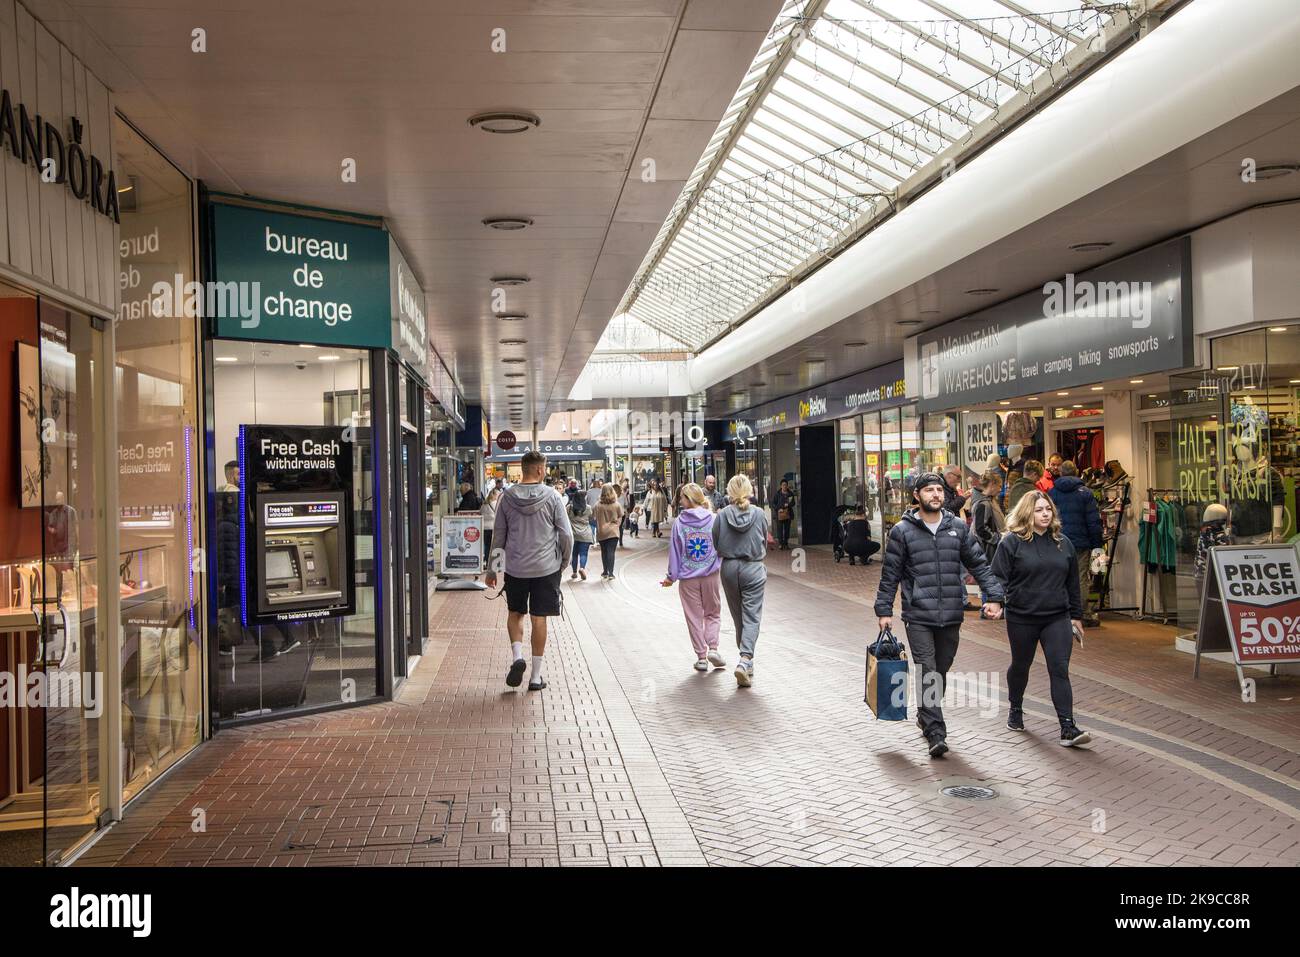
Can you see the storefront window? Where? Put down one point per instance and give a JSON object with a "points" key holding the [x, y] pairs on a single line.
{"points": [[157, 417], [872, 465], [850, 491], [273, 668], [895, 496], [940, 441]]}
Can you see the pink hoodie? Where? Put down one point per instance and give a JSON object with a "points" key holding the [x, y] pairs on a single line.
{"points": [[690, 548]]}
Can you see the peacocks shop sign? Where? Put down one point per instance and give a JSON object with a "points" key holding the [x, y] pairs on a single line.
{"points": [[311, 279]]}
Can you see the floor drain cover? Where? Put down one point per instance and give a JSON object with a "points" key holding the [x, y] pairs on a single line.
{"points": [[970, 792]]}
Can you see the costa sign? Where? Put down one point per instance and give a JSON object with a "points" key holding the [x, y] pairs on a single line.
{"points": [[506, 440]]}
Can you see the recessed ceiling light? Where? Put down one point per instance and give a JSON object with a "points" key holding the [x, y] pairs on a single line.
{"points": [[1099, 388], [981, 291], [1274, 170], [856, 344], [1090, 247], [1278, 329], [1151, 395], [1062, 393], [511, 316], [1295, 381], [516, 375], [1227, 369], [510, 280], [1004, 402], [1134, 381], [505, 121], [1032, 398], [513, 342], [1076, 407], [303, 345], [507, 222], [227, 359], [929, 312], [329, 358], [514, 361], [965, 411], [906, 322]]}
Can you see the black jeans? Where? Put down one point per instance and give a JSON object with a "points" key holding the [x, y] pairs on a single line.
{"points": [[1057, 639], [932, 651], [783, 532], [607, 555]]}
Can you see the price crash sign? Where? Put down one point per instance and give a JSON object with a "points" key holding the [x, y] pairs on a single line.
{"points": [[1260, 587]]}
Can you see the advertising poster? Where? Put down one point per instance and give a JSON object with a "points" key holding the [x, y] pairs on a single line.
{"points": [[1260, 589], [462, 544]]}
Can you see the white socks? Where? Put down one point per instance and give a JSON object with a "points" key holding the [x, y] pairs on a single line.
{"points": [[537, 668], [517, 650]]}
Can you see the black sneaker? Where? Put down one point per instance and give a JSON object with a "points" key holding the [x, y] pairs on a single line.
{"points": [[1016, 719], [516, 673], [938, 746], [1072, 736], [537, 685]]}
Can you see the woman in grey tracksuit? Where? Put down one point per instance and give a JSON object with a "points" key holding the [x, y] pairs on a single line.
{"points": [[740, 536]]}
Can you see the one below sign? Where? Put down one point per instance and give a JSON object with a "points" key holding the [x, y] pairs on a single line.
{"points": [[1259, 586]]}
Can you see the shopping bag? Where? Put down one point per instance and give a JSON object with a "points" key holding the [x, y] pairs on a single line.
{"points": [[886, 693]]}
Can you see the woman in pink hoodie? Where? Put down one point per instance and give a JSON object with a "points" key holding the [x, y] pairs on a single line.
{"points": [[693, 561]]}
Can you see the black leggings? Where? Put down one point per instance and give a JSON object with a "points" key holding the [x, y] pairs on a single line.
{"points": [[1057, 638], [607, 555], [783, 532]]}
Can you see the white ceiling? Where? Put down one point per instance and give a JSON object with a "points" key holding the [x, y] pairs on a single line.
{"points": [[1185, 189], [287, 91]]}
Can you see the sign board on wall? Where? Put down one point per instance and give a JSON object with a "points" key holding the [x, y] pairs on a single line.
{"points": [[462, 545], [1129, 317], [878, 388], [979, 435], [410, 328], [299, 279]]}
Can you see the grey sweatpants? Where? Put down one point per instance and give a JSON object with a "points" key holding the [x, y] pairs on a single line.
{"points": [[742, 583]]}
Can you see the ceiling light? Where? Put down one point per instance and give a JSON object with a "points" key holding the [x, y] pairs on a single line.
{"points": [[1279, 329], [856, 344], [513, 342], [304, 345], [514, 361], [507, 222], [329, 358], [1295, 381], [1090, 247], [965, 411], [982, 291], [511, 316], [1004, 402], [1275, 170], [509, 280], [1134, 381], [929, 312], [1076, 407], [227, 359], [1062, 393], [1099, 388], [505, 121], [1151, 395], [516, 375], [1032, 398], [1227, 369]]}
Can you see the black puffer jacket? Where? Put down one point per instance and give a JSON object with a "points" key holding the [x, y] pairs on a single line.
{"points": [[932, 570]]}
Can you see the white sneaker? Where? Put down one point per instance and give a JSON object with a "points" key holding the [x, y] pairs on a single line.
{"points": [[701, 665], [744, 672], [716, 659]]}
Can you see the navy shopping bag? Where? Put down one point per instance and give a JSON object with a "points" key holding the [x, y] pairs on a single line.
{"points": [[886, 694]]}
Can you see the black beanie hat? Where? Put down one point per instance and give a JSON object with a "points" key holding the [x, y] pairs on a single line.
{"points": [[926, 478]]}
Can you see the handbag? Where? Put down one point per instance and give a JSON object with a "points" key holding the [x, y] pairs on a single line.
{"points": [[783, 515], [886, 692]]}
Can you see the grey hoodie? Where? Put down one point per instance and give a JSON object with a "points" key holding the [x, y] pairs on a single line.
{"points": [[532, 531], [741, 534]]}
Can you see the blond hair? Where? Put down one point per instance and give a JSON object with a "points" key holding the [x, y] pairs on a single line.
{"points": [[607, 496], [1021, 519], [694, 494], [739, 491]]}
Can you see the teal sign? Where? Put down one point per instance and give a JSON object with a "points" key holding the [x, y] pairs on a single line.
{"points": [[281, 277]]}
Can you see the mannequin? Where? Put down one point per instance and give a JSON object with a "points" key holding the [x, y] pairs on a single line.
{"points": [[1257, 494]]}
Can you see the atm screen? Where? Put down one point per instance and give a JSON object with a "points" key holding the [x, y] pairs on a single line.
{"points": [[279, 564]]}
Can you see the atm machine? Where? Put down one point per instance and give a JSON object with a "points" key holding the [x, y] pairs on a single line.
{"points": [[301, 552]]}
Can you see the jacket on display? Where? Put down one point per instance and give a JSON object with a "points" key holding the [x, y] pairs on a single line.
{"points": [[1077, 508], [691, 552], [931, 568], [1158, 535]]}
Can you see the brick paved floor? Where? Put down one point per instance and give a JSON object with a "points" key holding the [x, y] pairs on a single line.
{"points": [[630, 757]]}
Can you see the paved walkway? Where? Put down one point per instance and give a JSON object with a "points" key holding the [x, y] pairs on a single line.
{"points": [[630, 757]]}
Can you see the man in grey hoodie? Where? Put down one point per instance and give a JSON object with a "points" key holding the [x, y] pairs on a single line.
{"points": [[533, 539], [740, 536]]}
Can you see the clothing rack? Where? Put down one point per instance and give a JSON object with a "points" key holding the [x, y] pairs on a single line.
{"points": [[1164, 615], [1117, 505]]}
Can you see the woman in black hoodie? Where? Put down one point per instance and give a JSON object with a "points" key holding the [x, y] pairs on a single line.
{"points": [[1039, 570]]}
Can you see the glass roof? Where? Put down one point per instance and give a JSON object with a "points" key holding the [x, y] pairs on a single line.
{"points": [[846, 101]]}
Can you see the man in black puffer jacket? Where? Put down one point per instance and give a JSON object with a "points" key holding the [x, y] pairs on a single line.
{"points": [[926, 553]]}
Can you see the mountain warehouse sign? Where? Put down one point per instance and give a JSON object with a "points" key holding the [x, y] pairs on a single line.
{"points": [[38, 143]]}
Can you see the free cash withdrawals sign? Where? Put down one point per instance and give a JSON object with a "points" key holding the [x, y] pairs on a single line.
{"points": [[1128, 317], [1259, 587], [318, 281]]}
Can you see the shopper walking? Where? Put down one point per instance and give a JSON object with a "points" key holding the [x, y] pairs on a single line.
{"points": [[925, 553], [740, 537], [716, 500], [783, 508], [593, 499], [489, 515], [1026, 483], [608, 515], [533, 541], [987, 520], [1038, 567], [656, 506], [469, 500], [953, 500], [693, 563], [579, 516], [1050, 473], [1081, 523]]}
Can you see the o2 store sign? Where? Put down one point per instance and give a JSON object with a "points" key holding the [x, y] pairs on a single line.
{"points": [[1260, 590]]}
